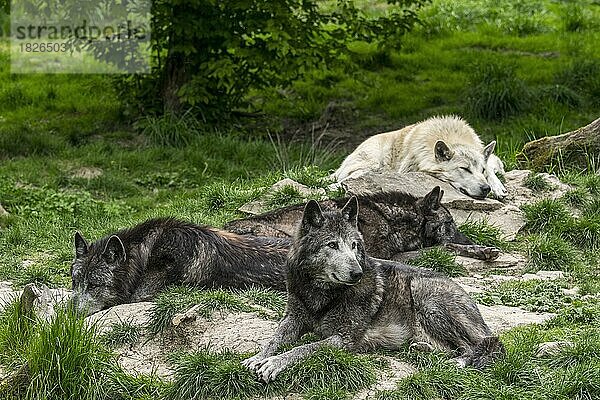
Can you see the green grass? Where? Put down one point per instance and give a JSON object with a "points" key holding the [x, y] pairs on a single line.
{"points": [[439, 259], [122, 333], [483, 233], [59, 359], [472, 58], [206, 374], [550, 252], [532, 295], [537, 183]]}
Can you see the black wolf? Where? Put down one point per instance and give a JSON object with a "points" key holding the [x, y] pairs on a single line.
{"points": [[358, 303], [391, 223], [135, 264]]}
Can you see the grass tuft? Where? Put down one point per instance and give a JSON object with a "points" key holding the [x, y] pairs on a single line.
{"points": [[537, 183], [121, 333], [546, 215], [286, 196], [170, 129], [63, 359], [207, 375], [331, 367], [551, 253], [577, 197], [438, 259], [483, 233], [496, 92]]}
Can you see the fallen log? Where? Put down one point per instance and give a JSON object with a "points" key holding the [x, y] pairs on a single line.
{"points": [[577, 149]]}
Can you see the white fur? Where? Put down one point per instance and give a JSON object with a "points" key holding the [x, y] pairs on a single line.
{"points": [[412, 149]]}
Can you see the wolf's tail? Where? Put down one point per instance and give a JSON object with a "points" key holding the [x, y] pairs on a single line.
{"points": [[487, 351]]}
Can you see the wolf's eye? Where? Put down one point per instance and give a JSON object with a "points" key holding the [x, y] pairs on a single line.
{"points": [[465, 169], [353, 245], [333, 245]]}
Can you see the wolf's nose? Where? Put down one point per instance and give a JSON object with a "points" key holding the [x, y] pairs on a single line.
{"points": [[355, 276], [485, 189]]}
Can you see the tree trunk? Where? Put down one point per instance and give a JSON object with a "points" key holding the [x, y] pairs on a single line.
{"points": [[175, 77], [578, 149]]}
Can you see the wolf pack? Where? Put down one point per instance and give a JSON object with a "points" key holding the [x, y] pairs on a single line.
{"points": [[336, 259]]}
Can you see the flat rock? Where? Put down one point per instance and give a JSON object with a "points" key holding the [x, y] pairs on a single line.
{"points": [[418, 184], [505, 261], [519, 195], [510, 219], [137, 314], [240, 332], [502, 318]]}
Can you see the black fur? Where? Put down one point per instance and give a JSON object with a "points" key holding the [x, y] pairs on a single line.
{"points": [[135, 264]]}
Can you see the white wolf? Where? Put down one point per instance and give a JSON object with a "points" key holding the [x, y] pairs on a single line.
{"points": [[445, 147]]}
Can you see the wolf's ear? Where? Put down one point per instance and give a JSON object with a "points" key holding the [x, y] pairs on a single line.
{"points": [[433, 199], [312, 217], [489, 150], [350, 211], [114, 250], [81, 245], [442, 151]]}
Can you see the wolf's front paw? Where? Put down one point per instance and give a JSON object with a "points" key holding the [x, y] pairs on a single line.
{"points": [[271, 367], [421, 346], [253, 363]]}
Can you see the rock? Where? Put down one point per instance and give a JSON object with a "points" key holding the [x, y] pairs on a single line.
{"points": [[418, 184], [260, 205], [519, 195], [544, 275], [502, 318], [240, 332], [552, 348], [573, 292], [3, 212], [137, 314], [41, 300], [87, 173], [506, 261], [509, 219], [189, 315]]}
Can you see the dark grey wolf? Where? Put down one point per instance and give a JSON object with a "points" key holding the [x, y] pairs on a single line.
{"points": [[358, 303], [135, 264], [390, 223]]}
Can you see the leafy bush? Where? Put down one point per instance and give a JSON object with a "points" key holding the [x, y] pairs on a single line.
{"points": [[212, 53]]}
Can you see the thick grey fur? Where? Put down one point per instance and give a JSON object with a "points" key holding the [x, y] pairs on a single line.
{"points": [[358, 303], [391, 223], [135, 264]]}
